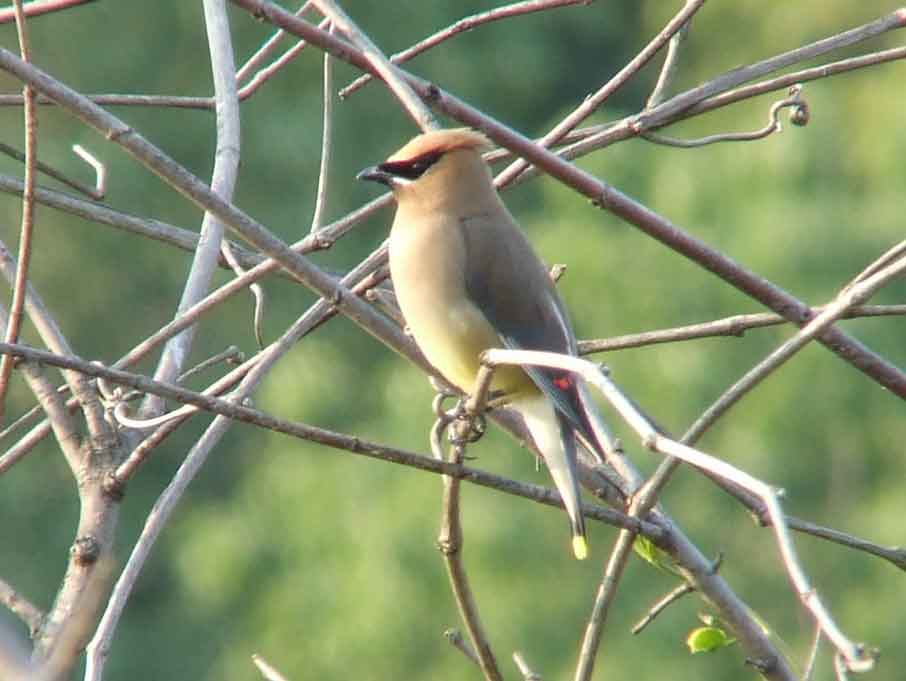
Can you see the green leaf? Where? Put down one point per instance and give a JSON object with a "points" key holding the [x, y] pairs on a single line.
{"points": [[660, 559], [708, 639]]}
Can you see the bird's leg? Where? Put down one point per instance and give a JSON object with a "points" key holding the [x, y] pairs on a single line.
{"points": [[467, 428]]}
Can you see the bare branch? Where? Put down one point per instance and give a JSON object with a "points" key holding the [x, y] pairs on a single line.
{"points": [[772, 126], [329, 438], [669, 68], [14, 320], [813, 656], [737, 325], [317, 219], [658, 116], [100, 172], [450, 541], [39, 7], [659, 607], [461, 26], [855, 655], [223, 181], [268, 671], [853, 295], [53, 337], [21, 607], [604, 596], [803, 76], [162, 101], [164, 232], [454, 638], [50, 171], [197, 191], [591, 104], [269, 71], [267, 49], [528, 674], [376, 59]]}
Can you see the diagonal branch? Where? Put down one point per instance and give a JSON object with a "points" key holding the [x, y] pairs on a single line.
{"points": [[592, 103], [420, 113], [465, 24], [856, 657]]}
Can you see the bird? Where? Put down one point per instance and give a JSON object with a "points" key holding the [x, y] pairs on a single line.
{"points": [[467, 280]]}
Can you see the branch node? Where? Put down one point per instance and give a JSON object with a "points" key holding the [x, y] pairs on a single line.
{"points": [[762, 665], [447, 546], [85, 550], [113, 487], [432, 94]]}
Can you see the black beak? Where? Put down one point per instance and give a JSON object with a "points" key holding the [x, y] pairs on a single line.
{"points": [[375, 174]]}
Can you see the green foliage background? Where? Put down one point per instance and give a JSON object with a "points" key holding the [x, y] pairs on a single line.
{"points": [[325, 563]]}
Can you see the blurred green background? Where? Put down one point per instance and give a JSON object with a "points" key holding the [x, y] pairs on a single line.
{"points": [[325, 563]]}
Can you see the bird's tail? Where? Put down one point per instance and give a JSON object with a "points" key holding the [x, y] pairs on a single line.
{"points": [[555, 438]]}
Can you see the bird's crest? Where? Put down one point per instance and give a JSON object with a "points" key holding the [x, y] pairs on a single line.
{"points": [[441, 141]]}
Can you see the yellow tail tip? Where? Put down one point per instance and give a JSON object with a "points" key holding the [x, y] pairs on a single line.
{"points": [[580, 547]]}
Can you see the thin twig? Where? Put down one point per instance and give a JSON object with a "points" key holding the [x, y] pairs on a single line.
{"points": [[781, 82], [455, 638], [269, 71], [450, 543], [317, 219], [892, 254], [50, 171], [598, 137], [310, 243], [161, 101], [21, 607], [773, 125], [592, 103], [604, 596], [658, 116], [361, 277], [735, 326], [267, 49], [852, 295], [461, 26], [528, 674], [812, 656], [659, 607], [100, 171], [669, 68], [388, 72], [231, 355], [255, 288], [39, 7], [14, 321], [268, 671]]}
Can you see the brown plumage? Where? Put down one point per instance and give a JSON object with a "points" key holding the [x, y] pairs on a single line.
{"points": [[467, 279]]}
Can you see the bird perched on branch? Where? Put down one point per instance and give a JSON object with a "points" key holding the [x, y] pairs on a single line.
{"points": [[467, 279]]}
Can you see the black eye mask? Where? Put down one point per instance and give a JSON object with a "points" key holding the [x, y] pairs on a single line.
{"points": [[411, 168]]}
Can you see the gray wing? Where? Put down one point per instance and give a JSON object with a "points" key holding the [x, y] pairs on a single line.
{"points": [[507, 281]]}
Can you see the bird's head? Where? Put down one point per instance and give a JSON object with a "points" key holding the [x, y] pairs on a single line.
{"points": [[435, 163]]}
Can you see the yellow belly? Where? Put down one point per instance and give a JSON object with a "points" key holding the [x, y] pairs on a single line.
{"points": [[450, 330]]}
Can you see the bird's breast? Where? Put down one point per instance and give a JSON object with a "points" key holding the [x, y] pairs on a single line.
{"points": [[427, 268]]}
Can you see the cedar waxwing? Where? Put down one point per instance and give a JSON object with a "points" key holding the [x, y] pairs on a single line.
{"points": [[467, 279]]}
